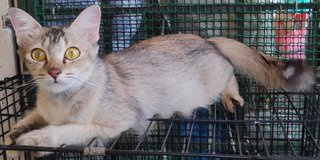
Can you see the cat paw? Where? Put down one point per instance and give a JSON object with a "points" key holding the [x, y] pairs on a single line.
{"points": [[9, 140], [229, 102], [11, 137], [37, 138]]}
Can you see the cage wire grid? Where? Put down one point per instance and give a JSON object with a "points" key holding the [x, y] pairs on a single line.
{"points": [[272, 124], [280, 28]]}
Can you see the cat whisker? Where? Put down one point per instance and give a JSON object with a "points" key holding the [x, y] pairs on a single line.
{"points": [[84, 81], [25, 85], [28, 81], [33, 80], [88, 86], [31, 88]]}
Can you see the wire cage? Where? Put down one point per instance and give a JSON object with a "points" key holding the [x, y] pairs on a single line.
{"points": [[272, 124]]}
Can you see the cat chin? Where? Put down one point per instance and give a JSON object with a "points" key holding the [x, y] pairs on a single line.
{"points": [[57, 88]]}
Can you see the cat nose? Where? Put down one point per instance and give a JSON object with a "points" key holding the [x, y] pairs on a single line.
{"points": [[54, 72]]}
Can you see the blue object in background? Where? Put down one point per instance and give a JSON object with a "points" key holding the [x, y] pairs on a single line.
{"points": [[200, 134], [54, 19], [124, 26], [206, 138]]}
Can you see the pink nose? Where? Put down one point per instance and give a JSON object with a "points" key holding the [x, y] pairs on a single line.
{"points": [[54, 72]]}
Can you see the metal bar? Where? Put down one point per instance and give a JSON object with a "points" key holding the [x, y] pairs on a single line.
{"points": [[22, 96], [238, 134], [274, 92], [229, 121], [115, 142], [27, 155], [305, 114], [7, 79], [230, 134], [313, 106], [263, 140], [166, 137], [9, 105], [126, 152], [191, 131], [304, 123], [90, 143], [274, 139], [285, 133], [18, 101], [81, 156], [34, 148], [6, 103], [214, 130], [4, 155], [143, 136]]}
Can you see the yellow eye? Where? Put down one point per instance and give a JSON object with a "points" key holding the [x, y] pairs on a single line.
{"points": [[38, 54], [72, 53]]}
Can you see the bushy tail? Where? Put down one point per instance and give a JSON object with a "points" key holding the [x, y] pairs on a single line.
{"points": [[292, 75]]}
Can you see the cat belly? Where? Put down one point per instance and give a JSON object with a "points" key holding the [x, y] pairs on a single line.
{"points": [[184, 93]]}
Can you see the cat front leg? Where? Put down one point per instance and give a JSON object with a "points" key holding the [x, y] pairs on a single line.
{"points": [[30, 122], [69, 134]]}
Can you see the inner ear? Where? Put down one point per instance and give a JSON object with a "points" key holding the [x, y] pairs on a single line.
{"points": [[88, 23], [24, 26]]}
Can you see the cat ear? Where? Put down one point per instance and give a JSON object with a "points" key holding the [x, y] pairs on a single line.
{"points": [[88, 22], [23, 24]]}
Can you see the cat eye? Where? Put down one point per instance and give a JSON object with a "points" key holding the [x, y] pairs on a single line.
{"points": [[38, 55], [72, 53]]}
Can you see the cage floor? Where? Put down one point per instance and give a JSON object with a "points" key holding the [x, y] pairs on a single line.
{"points": [[271, 125]]}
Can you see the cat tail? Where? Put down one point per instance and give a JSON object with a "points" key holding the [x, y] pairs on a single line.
{"points": [[291, 76]]}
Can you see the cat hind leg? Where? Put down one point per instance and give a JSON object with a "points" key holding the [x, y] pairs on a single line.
{"points": [[230, 95]]}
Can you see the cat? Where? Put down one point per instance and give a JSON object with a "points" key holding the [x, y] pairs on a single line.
{"points": [[81, 96]]}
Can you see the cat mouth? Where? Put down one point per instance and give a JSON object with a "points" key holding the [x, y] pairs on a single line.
{"points": [[55, 81]]}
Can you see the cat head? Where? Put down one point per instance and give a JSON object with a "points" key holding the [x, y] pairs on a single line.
{"points": [[59, 58]]}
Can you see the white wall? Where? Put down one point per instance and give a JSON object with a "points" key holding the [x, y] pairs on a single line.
{"points": [[7, 52]]}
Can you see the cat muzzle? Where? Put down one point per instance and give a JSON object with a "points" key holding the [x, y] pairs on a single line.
{"points": [[54, 73]]}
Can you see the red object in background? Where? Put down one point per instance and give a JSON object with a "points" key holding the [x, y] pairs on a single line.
{"points": [[291, 35]]}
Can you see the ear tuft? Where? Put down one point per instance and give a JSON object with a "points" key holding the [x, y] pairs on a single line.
{"points": [[23, 24], [88, 22]]}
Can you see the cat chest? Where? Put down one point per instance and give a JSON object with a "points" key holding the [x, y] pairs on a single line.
{"points": [[63, 111]]}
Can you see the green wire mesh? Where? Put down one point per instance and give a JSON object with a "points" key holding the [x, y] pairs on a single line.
{"points": [[282, 28]]}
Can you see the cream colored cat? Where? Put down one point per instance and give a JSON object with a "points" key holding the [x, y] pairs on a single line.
{"points": [[81, 96]]}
